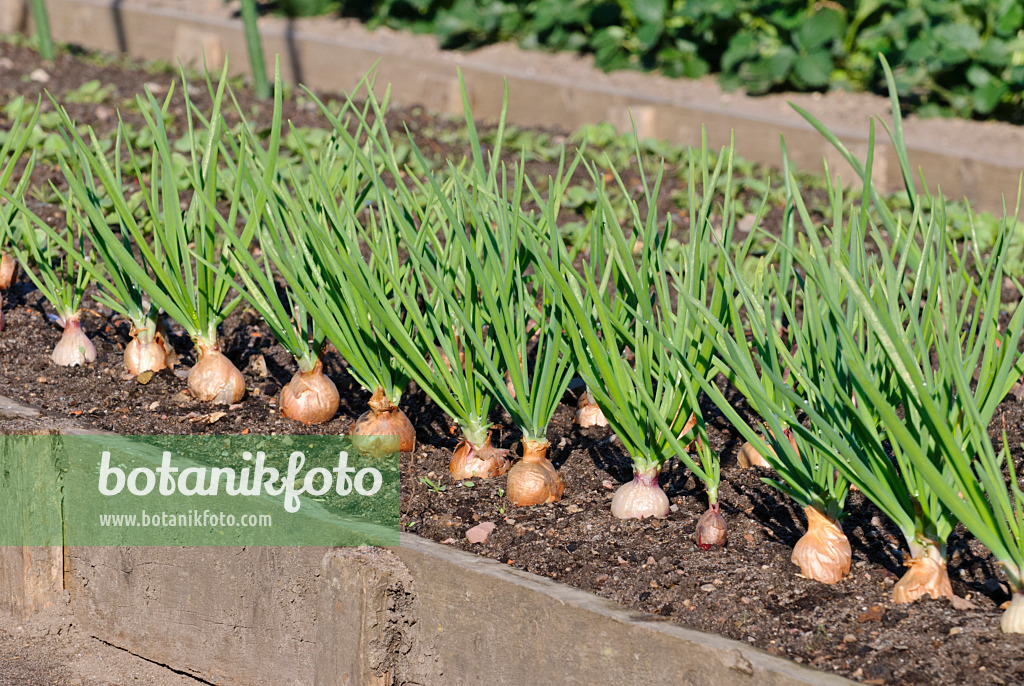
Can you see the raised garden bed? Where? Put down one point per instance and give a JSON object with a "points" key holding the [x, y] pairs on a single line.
{"points": [[747, 591]]}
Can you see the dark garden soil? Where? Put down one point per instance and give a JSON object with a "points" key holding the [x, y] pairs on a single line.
{"points": [[748, 590]]}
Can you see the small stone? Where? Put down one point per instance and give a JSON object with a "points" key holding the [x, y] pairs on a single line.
{"points": [[153, 405], [654, 584], [955, 630], [39, 76], [6, 63], [601, 579], [607, 483], [145, 377], [874, 614], [849, 638], [709, 588], [749, 538], [41, 379], [259, 365], [480, 532], [651, 562]]}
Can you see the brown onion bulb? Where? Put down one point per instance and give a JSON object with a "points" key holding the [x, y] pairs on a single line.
{"points": [[711, 528], [640, 498], [1012, 621], [214, 378], [74, 347], [533, 480], [372, 433], [8, 271], [483, 462], [823, 553], [926, 575], [588, 413], [310, 397]]}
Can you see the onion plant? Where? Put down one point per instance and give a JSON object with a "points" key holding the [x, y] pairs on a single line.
{"points": [[310, 397], [981, 485], [899, 351], [316, 233], [178, 269], [62, 280], [759, 366], [427, 335], [946, 328], [511, 309], [611, 307], [11, 152]]}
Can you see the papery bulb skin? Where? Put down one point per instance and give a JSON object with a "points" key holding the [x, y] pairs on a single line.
{"points": [[8, 271], [74, 347], [588, 413], [310, 397], [484, 462], [926, 574], [144, 356], [823, 553], [214, 379], [1012, 621], [749, 457], [711, 528], [533, 480], [372, 433], [641, 498]]}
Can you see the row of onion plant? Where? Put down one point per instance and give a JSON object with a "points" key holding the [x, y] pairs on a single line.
{"points": [[169, 258]]}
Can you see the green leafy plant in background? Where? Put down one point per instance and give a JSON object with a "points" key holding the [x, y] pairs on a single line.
{"points": [[963, 58]]}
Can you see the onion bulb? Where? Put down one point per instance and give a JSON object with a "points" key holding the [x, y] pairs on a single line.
{"points": [[588, 413], [711, 529], [214, 378], [8, 271], [383, 419], [74, 347], [533, 480], [148, 353], [926, 575], [310, 397], [640, 498], [478, 462], [750, 457], [1013, 618], [823, 553]]}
